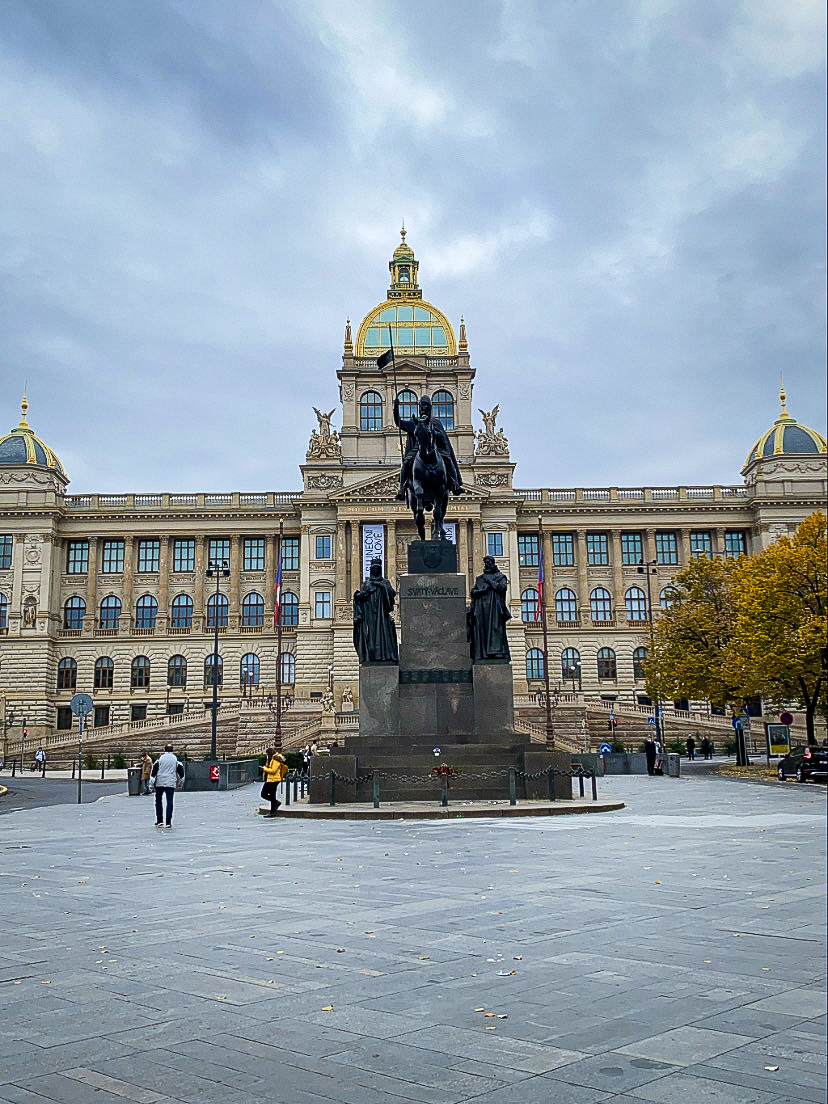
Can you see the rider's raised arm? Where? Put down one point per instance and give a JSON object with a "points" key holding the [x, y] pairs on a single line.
{"points": [[405, 424]]}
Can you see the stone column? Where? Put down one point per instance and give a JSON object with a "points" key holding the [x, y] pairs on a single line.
{"points": [[304, 566], [583, 578], [199, 612], [719, 541], [127, 613], [90, 621], [463, 551], [513, 594], [164, 583], [649, 545], [349, 555], [270, 577], [391, 552], [549, 573], [684, 548], [341, 594], [477, 549], [235, 579], [617, 576]]}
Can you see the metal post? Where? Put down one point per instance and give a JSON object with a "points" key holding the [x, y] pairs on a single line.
{"points": [[581, 785], [550, 773], [80, 756], [14, 766], [512, 795], [376, 791], [444, 792], [594, 788], [278, 734], [103, 768], [287, 789], [333, 788], [550, 731], [295, 787], [645, 570]]}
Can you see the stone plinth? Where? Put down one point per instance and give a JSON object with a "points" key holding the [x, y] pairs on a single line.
{"points": [[494, 702], [379, 713], [432, 555]]}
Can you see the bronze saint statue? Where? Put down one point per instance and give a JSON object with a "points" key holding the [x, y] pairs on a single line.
{"points": [[429, 468], [375, 634], [487, 615]]}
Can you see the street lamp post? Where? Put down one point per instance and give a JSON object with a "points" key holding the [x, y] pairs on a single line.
{"points": [[221, 570], [648, 569], [550, 731]]}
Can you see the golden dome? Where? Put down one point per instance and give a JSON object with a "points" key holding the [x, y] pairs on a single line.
{"points": [[786, 437], [23, 446]]}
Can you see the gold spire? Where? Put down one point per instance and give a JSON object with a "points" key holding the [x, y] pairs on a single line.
{"points": [[782, 395], [402, 232], [462, 344], [24, 406], [349, 344]]}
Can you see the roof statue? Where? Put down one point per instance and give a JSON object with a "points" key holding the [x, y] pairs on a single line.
{"points": [[489, 442], [324, 443]]}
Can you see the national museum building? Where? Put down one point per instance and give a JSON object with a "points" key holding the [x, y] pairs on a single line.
{"points": [[108, 594]]}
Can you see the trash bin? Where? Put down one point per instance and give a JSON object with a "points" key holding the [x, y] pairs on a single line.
{"points": [[673, 765], [134, 781]]}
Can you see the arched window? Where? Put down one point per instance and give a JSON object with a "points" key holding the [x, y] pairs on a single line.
{"points": [[668, 596], [606, 664], [146, 612], [73, 613], [182, 612], [566, 605], [140, 678], [4, 611], [104, 673], [249, 670], [600, 603], [409, 404], [571, 664], [177, 671], [217, 611], [110, 612], [289, 609], [529, 605], [67, 674], [253, 611], [370, 412], [534, 664], [288, 668], [443, 408], [636, 602], [639, 662], [208, 670]]}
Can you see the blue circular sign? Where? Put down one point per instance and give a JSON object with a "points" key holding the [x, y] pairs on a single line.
{"points": [[606, 749]]}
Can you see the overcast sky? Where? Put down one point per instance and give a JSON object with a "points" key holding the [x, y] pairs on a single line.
{"points": [[623, 197]]}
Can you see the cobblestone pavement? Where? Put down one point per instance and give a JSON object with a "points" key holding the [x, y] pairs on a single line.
{"points": [[673, 951]]}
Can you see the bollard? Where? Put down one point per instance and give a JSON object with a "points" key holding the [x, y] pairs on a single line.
{"points": [[512, 795], [376, 791], [73, 769], [444, 793], [287, 789], [551, 776], [103, 768], [594, 788], [333, 788], [14, 767], [295, 789], [581, 784], [43, 770]]}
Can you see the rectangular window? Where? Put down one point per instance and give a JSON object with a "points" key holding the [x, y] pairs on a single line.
{"points": [[220, 551], [322, 606], [77, 557], [184, 555], [6, 552], [597, 549], [64, 718], [494, 542], [290, 554], [149, 555], [323, 548], [735, 543], [101, 716], [632, 548], [701, 544], [666, 548], [563, 550], [174, 708], [112, 562], [254, 554], [528, 549], [138, 713]]}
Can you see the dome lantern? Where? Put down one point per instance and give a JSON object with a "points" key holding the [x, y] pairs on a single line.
{"points": [[786, 437], [21, 446]]}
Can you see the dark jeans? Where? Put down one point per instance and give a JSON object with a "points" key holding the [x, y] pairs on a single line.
{"points": [[169, 791]]}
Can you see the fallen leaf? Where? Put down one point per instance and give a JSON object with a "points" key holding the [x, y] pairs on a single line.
{"points": [[483, 1009], [423, 958], [320, 966], [269, 958], [502, 1016], [766, 969], [221, 996], [492, 1028], [657, 882], [45, 983], [773, 1069], [340, 950], [518, 958], [490, 1015], [327, 1008]]}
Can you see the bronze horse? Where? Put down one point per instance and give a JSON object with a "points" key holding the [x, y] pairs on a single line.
{"points": [[428, 486]]}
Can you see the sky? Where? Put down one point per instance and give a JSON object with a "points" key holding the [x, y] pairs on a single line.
{"points": [[624, 198]]}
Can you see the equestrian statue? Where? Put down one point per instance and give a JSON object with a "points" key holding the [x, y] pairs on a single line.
{"points": [[429, 468]]}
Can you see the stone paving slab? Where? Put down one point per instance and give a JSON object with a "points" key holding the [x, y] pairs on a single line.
{"points": [[669, 950]]}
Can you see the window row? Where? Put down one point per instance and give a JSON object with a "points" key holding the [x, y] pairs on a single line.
{"points": [[181, 611], [148, 554], [370, 408], [632, 547], [606, 664], [600, 604], [140, 671]]}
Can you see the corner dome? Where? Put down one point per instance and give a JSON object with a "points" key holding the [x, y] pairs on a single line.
{"points": [[786, 437], [22, 446], [418, 327]]}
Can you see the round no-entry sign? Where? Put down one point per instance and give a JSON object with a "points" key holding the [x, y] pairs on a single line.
{"points": [[786, 718]]}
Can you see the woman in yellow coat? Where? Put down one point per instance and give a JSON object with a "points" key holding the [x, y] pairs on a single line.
{"points": [[274, 771]]}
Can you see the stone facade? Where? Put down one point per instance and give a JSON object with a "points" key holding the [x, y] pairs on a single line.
{"points": [[149, 552]]}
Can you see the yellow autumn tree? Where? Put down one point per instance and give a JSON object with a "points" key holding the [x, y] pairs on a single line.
{"points": [[689, 658], [780, 595]]}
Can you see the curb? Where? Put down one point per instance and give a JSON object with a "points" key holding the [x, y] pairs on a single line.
{"points": [[430, 812]]}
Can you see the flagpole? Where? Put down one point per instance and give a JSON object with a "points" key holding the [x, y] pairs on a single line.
{"points": [[550, 732], [278, 740], [396, 389]]}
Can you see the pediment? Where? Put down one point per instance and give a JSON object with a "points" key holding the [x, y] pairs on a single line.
{"points": [[383, 488]]}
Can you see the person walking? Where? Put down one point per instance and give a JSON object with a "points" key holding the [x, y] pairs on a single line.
{"points": [[274, 770], [40, 760], [146, 772], [650, 752], [691, 747], [705, 748], [168, 775]]}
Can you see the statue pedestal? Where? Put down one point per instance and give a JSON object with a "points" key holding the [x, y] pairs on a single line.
{"points": [[379, 711], [494, 702]]}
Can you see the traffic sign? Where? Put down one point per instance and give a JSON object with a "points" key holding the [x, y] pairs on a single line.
{"points": [[651, 720], [612, 715], [215, 774], [81, 704], [787, 718], [605, 749]]}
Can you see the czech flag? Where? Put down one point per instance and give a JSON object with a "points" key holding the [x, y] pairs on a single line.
{"points": [[539, 611], [277, 588]]}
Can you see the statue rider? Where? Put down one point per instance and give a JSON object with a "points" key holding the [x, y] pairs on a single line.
{"points": [[441, 441]]}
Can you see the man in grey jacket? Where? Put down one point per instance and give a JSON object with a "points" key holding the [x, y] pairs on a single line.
{"points": [[168, 776]]}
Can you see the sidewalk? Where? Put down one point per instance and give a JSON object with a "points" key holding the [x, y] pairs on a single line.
{"points": [[673, 950]]}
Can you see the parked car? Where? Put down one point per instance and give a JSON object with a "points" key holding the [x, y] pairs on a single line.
{"points": [[803, 763]]}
